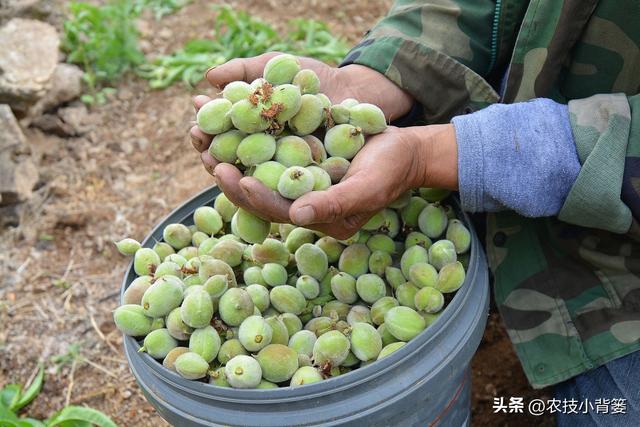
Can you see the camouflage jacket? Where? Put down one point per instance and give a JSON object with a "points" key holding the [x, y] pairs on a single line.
{"points": [[568, 288]]}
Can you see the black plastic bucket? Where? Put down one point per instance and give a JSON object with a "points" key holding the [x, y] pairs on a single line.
{"points": [[426, 382]]}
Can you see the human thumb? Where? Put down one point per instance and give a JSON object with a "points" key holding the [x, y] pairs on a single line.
{"points": [[323, 207]]}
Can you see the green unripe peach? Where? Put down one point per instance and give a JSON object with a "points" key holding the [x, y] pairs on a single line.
{"points": [[177, 235], [312, 261], [320, 325], [247, 117], [325, 283], [243, 372], [303, 341], [280, 333], [370, 288], [216, 286], [281, 69], [164, 250], [219, 378], [309, 117], [269, 174], [390, 223], [306, 375], [206, 246], [205, 342], [158, 344], [318, 153], [176, 326], [278, 362], [405, 294], [411, 212], [235, 306], [212, 118], [287, 299], [188, 252], [349, 102], [292, 322], [260, 296], [162, 296], [157, 323], [225, 208], [459, 235], [331, 247], [170, 359], [451, 214], [375, 222], [128, 246], [381, 242], [266, 385], [253, 276], [366, 343], [321, 178], [249, 227], [168, 268], [236, 91], [192, 280], [137, 288], [343, 287], [308, 286], [380, 308], [271, 250], [145, 261], [416, 238], [307, 81], [402, 200], [198, 237], [336, 167], [288, 100], [412, 255], [295, 182], [367, 117], [394, 277], [336, 310], [433, 194], [298, 237], [191, 366], [230, 349], [197, 308], [390, 348], [258, 84], [339, 114], [326, 102], [274, 274], [207, 220], [379, 261], [256, 148], [403, 323], [429, 300], [386, 336], [223, 147], [422, 275], [343, 141], [355, 260], [432, 220], [228, 251], [441, 253], [293, 151], [331, 348], [214, 267], [359, 314], [178, 259], [255, 333], [131, 320], [231, 237], [451, 277]]}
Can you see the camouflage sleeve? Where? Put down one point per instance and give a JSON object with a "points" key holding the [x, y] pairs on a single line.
{"points": [[438, 51], [606, 129]]}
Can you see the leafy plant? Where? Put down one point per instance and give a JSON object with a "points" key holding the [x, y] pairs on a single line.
{"points": [[161, 8], [13, 398], [238, 35], [104, 41]]}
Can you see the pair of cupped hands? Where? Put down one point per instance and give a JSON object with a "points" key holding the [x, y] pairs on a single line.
{"points": [[390, 163]]}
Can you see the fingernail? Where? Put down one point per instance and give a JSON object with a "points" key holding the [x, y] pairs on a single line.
{"points": [[304, 215], [196, 140], [207, 72]]}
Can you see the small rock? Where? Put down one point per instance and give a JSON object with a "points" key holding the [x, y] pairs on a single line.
{"points": [[28, 58], [24, 9], [18, 173], [68, 121], [66, 85]]}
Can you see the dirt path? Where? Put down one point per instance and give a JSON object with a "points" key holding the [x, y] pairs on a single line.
{"points": [[60, 273]]}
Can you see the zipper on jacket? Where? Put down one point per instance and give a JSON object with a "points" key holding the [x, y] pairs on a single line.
{"points": [[494, 35]]}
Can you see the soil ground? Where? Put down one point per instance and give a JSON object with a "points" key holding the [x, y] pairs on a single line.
{"points": [[60, 274]]}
